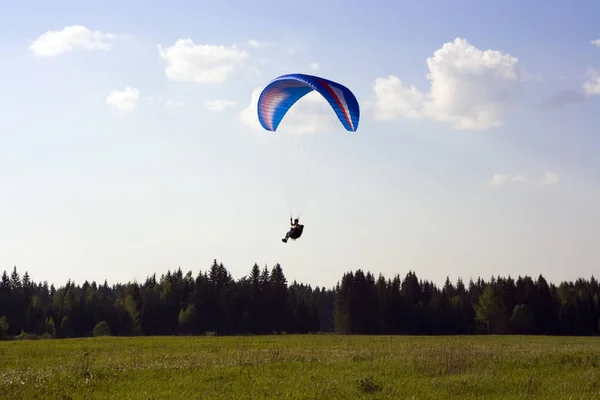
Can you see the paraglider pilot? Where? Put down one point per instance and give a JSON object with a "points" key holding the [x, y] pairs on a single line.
{"points": [[295, 231]]}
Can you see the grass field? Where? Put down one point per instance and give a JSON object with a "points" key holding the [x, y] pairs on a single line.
{"points": [[302, 367]]}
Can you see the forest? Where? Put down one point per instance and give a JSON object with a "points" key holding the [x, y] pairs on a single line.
{"points": [[263, 302]]}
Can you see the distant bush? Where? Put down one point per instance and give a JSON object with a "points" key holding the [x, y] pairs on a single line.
{"points": [[26, 336], [102, 329]]}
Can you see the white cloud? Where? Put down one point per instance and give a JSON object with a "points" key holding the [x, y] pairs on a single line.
{"points": [[248, 115], [314, 65], [257, 44], [393, 99], [70, 38], [200, 63], [218, 105], [312, 113], [592, 86], [498, 180], [125, 100], [550, 178], [470, 88], [596, 43]]}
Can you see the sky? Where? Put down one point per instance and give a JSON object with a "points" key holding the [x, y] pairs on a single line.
{"points": [[130, 144]]}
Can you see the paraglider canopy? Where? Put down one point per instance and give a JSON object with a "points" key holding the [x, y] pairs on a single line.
{"points": [[284, 91]]}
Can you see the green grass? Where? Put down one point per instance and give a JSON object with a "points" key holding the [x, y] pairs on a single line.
{"points": [[302, 367]]}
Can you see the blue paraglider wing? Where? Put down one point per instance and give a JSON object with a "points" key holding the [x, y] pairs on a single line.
{"points": [[284, 91]]}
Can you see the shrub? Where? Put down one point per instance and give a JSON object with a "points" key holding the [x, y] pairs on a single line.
{"points": [[102, 329]]}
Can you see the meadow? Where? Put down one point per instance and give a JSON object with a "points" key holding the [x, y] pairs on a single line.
{"points": [[302, 367]]}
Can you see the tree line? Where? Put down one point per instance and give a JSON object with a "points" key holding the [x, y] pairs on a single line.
{"points": [[264, 303]]}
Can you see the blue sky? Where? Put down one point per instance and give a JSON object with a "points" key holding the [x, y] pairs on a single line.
{"points": [[476, 164]]}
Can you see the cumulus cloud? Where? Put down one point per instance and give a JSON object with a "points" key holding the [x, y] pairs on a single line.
{"points": [[200, 63], [314, 65], [70, 38], [310, 114], [550, 178], [470, 88], [596, 43], [218, 105], [257, 44], [248, 115], [125, 100], [500, 179], [591, 87]]}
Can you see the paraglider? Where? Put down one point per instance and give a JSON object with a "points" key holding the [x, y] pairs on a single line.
{"points": [[295, 231], [283, 92]]}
